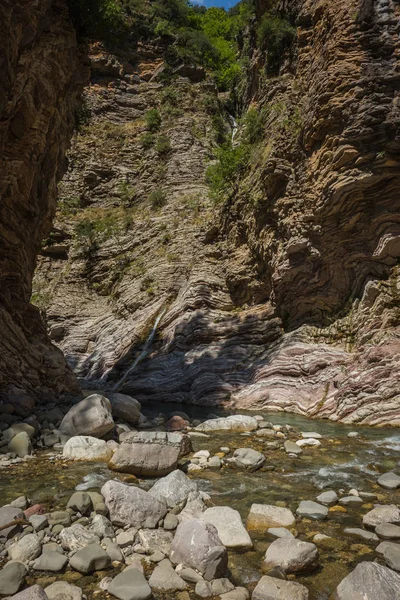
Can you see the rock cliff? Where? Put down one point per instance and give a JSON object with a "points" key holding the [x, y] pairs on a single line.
{"points": [[41, 77], [284, 297]]}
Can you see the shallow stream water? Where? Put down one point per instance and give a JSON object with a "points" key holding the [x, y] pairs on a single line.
{"points": [[340, 463]]}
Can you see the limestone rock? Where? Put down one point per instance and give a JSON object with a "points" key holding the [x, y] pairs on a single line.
{"points": [[382, 513], [77, 537], [196, 544], [369, 581], [130, 585], [83, 447], [165, 578], [174, 488], [148, 454], [291, 555], [247, 459], [312, 510], [387, 531], [89, 559], [8, 514], [90, 417], [389, 481], [270, 588], [328, 498], [125, 408], [21, 444], [230, 528], [62, 590], [34, 592], [50, 561], [12, 576], [26, 549], [233, 423], [264, 516], [132, 506]]}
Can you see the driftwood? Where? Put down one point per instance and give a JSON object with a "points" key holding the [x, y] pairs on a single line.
{"points": [[15, 522]]}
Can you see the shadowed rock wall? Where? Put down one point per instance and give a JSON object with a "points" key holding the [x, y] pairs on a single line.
{"points": [[41, 78]]}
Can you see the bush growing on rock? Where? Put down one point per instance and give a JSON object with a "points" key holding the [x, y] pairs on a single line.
{"points": [[157, 198], [153, 120]]}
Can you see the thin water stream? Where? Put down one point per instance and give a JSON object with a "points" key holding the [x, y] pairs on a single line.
{"points": [[340, 463]]}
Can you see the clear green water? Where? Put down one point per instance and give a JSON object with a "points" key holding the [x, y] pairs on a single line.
{"points": [[340, 463]]}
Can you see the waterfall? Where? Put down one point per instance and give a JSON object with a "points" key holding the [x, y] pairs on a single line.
{"points": [[144, 352], [234, 126]]}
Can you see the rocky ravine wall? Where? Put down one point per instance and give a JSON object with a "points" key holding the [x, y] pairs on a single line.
{"points": [[41, 77], [289, 298]]}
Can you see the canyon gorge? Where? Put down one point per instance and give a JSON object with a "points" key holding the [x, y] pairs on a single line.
{"points": [[283, 295]]}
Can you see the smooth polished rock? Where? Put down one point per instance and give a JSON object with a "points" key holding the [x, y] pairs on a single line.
{"points": [[130, 585], [85, 447], [264, 516], [271, 588], [312, 510], [90, 417], [228, 522], [291, 555], [130, 505], [369, 581], [382, 513]]}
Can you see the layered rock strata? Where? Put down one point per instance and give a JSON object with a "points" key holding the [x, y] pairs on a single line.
{"points": [[41, 78], [285, 298]]}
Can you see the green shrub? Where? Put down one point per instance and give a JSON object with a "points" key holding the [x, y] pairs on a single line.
{"points": [[254, 122], [99, 20], [163, 145], [147, 140], [153, 120], [275, 33], [230, 165], [170, 96], [69, 205], [157, 198]]}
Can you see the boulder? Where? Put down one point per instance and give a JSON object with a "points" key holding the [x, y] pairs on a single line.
{"points": [[351, 501], [148, 453], [35, 592], [84, 447], [21, 444], [92, 416], [50, 561], [12, 576], [230, 528], [130, 585], [389, 481], [76, 537], [292, 448], [80, 502], [102, 527], [361, 534], [280, 532], [328, 498], [264, 516], [165, 578], [125, 408], [382, 513], [155, 539], [89, 559], [391, 554], [369, 581], [176, 423], [132, 506], [312, 510], [308, 442], [291, 555], [232, 423], [9, 514], [196, 544], [62, 590], [26, 549], [173, 489], [247, 459], [387, 531], [39, 522], [270, 588]]}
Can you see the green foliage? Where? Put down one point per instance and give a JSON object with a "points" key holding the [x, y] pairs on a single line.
{"points": [[275, 33], [153, 120], [147, 140], [99, 20], [157, 198], [230, 165], [254, 122], [126, 192], [163, 145], [69, 205]]}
